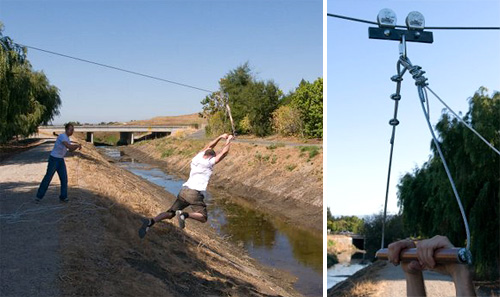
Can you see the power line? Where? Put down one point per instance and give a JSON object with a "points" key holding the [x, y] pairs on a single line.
{"points": [[116, 68], [404, 27]]}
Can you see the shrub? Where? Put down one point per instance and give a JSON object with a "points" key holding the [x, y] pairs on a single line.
{"points": [[287, 121]]}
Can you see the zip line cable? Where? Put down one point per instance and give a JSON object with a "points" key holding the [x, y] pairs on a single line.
{"points": [[445, 165], [463, 122], [117, 68], [404, 27]]}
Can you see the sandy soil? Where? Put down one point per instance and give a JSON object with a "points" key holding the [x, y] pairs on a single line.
{"points": [[382, 279], [392, 283], [90, 247], [30, 262], [279, 180]]}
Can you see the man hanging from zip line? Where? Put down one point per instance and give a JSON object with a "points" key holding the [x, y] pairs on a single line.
{"points": [[191, 193]]}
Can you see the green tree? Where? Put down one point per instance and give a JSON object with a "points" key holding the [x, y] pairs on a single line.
{"points": [[425, 195], [26, 97], [252, 102], [308, 98], [372, 230]]}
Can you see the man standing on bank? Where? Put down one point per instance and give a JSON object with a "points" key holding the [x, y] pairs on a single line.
{"points": [[56, 163], [191, 193]]}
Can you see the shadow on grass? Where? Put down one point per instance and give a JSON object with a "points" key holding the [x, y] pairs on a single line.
{"points": [[103, 256]]}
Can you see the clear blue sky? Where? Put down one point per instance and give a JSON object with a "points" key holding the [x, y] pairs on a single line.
{"points": [[194, 42], [359, 86]]}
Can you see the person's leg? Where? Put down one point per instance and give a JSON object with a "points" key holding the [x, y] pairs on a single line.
{"points": [[170, 213], [179, 204], [63, 177], [44, 185], [200, 217], [199, 208]]}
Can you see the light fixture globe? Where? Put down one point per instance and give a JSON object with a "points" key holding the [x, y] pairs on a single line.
{"points": [[415, 21], [386, 18]]}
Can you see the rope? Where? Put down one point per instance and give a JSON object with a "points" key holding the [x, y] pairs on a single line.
{"points": [[462, 121], [464, 217], [421, 82], [404, 27], [116, 68], [393, 122]]}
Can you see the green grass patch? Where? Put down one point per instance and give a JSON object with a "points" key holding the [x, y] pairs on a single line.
{"points": [[313, 151], [167, 152]]}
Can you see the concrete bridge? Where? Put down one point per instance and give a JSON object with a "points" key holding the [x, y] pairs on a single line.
{"points": [[126, 132]]}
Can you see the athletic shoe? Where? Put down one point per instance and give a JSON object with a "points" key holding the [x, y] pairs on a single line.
{"points": [[65, 200], [181, 219], [37, 200], [144, 228]]}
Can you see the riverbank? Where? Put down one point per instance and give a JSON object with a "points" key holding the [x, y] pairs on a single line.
{"points": [[277, 179], [97, 244]]}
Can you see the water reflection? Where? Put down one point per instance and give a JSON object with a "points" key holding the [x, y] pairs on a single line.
{"points": [[348, 265]]}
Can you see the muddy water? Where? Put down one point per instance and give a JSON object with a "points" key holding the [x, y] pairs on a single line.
{"points": [[349, 265], [267, 239]]}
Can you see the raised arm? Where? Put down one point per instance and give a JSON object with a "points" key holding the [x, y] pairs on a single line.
{"points": [[214, 142], [225, 150]]}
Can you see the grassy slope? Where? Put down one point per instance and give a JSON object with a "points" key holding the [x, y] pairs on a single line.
{"points": [[286, 180], [102, 254]]}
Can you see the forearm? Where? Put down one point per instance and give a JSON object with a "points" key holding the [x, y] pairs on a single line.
{"points": [[214, 142], [73, 147], [415, 284], [462, 277], [223, 153]]}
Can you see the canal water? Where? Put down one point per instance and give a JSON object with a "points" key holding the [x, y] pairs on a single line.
{"points": [[268, 240], [341, 271]]}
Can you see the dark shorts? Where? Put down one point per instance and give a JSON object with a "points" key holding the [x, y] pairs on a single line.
{"points": [[188, 197]]}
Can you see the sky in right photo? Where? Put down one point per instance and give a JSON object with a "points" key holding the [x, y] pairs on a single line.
{"points": [[457, 64]]}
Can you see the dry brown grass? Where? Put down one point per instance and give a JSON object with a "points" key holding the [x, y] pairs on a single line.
{"points": [[363, 288], [103, 256], [361, 284]]}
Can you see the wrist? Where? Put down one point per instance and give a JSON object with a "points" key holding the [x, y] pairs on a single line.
{"points": [[461, 272]]}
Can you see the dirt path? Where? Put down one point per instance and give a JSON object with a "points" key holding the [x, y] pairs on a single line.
{"points": [[392, 283], [30, 263], [200, 135]]}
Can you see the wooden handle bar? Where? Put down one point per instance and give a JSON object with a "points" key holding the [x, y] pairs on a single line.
{"points": [[453, 255]]}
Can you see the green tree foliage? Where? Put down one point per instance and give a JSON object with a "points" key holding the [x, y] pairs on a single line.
{"points": [[425, 195], [308, 99], [252, 102], [372, 230], [345, 223], [26, 97]]}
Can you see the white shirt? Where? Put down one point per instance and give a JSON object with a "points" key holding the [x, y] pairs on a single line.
{"points": [[201, 170], [59, 150]]}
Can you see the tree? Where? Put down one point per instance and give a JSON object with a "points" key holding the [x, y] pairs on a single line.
{"points": [[425, 195], [372, 230], [308, 99], [252, 103], [287, 121], [26, 97]]}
